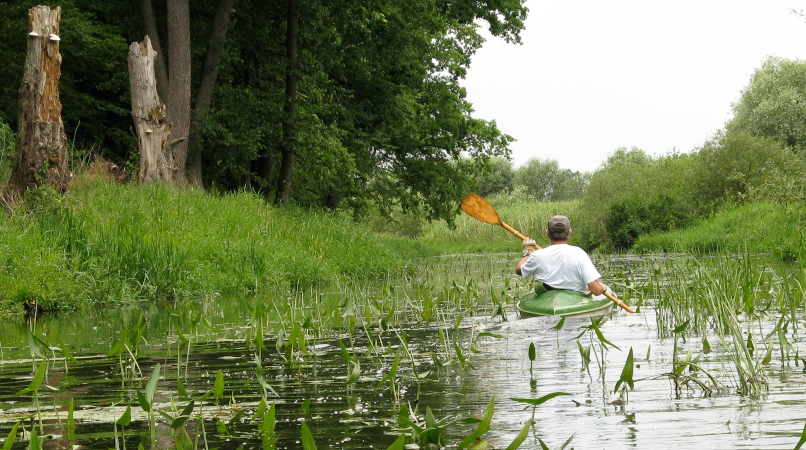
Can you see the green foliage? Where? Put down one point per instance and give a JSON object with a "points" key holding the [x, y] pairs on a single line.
{"points": [[544, 180], [773, 105], [381, 116], [735, 166], [633, 194], [497, 177], [8, 146], [94, 80], [109, 242], [759, 227]]}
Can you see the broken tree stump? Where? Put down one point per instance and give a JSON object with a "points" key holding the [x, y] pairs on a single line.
{"points": [[149, 113], [41, 157]]}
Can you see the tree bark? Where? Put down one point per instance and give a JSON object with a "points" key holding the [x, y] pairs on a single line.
{"points": [[204, 97], [150, 27], [41, 157], [153, 129], [289, 131], [263, 166], [179, 82]]}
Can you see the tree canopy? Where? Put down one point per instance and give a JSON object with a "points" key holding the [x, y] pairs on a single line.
{"points": [[380, 116], [773, 105]]}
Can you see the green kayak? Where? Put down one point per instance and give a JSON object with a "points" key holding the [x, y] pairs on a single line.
{"points": [[569, 304]]}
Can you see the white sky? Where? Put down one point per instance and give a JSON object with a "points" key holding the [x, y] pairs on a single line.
{"points": [[593, 76]]}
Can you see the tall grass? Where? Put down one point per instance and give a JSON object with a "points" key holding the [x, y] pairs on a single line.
{"points": [[8, 144], [104, 241], [761, 227]]}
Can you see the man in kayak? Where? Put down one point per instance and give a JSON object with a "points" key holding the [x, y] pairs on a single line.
{"points": [[559, 266]]}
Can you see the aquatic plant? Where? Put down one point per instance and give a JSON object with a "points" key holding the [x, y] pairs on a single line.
{"points": [[70, 425], [626, 374], [535, 402], [267, 416], [123, 421], [12, 435], [179, 433], [307, 438], [594, 330], [146, 400], [33, 388]]}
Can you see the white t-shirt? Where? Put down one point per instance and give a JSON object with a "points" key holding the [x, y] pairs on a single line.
{"points": [[561, 266]]}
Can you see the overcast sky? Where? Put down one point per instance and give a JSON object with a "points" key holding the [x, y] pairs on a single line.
{"points": [[592, 76]]}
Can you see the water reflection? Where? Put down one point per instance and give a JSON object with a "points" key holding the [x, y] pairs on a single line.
{"points": [[219, 333]]}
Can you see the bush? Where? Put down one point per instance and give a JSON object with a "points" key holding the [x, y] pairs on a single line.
{"points": [[633, 194]]}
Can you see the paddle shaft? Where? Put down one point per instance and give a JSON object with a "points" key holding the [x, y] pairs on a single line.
{"points": [[514, 231]]}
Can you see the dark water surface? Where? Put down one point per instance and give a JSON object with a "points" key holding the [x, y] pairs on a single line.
{"points": [[431, 374]]}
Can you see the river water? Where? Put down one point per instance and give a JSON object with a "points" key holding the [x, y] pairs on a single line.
{"points": [[492, 362]]}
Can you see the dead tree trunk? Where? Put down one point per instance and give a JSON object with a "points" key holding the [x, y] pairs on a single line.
{"points": [[41, 157], [153, 130]]}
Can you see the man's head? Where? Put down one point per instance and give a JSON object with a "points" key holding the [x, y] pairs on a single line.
{"points": [[559, 228]]}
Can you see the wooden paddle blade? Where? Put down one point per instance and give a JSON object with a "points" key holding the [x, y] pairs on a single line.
{"points": [[479, 209]]}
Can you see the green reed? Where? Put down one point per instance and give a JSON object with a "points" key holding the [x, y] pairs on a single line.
{"points": [[730, 296]]}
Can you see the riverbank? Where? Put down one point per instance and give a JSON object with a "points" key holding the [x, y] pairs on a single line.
{"points": [[107, 242], [103, 242], [761, 227]]}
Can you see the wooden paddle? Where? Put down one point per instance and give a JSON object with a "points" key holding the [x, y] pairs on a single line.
{"points": [[481, 210]]}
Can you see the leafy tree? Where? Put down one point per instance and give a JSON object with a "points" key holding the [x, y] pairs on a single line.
{"points": [[544, 180], [774, 103], [633, 194], [380, 116], [538, 177], [734, 166], [570, 185], [497, 177]]}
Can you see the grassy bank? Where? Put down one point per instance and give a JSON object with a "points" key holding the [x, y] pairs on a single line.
{"points": [[107, 242], [757, 228]]}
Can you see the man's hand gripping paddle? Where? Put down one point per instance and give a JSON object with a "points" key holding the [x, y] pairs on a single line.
{"points": [[481, 210]]}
